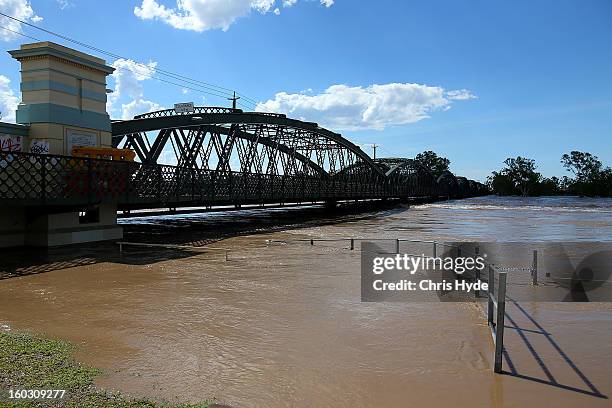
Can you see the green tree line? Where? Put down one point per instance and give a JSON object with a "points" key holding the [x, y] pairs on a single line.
{"points": [[520, 177]]}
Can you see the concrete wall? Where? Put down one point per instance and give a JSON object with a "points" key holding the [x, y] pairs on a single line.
{"points": [[64, 228]]}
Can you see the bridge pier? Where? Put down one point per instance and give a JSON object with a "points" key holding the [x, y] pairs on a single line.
{"points": [[63, 106]]}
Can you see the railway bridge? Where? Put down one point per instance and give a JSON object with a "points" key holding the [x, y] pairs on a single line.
{"points": [[227, 156], [222, 156], [218, 156]]}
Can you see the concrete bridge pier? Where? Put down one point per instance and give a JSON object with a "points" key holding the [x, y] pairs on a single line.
{"points": [[63, 106]]}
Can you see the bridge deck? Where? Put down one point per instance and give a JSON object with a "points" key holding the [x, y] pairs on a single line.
{"points": [[63, 181]]}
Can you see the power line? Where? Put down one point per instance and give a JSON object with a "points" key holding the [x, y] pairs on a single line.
{"points": [[133, 71], [183, 86], [17, 32], [113, 55], [207, 86]]}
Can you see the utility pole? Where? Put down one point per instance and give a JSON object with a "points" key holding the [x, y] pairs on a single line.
{"points": [[374, 146], [234, 99]]}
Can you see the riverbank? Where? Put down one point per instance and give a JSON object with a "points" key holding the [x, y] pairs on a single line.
{"points": [[33, 362]]}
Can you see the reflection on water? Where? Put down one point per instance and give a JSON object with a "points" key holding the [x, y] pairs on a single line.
{"points": [[283, 325]]}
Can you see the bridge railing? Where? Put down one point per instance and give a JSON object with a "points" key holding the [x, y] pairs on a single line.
{"points": [[34, 179]]}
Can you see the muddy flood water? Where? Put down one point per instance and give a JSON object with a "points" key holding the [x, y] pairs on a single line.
{"points": [[282, 325]]}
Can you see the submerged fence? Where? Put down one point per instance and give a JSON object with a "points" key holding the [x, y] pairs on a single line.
{"points": [[496, 278]]}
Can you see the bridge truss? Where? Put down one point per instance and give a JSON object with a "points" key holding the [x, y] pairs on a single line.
{"points": [[219, 156], [238, 157]]}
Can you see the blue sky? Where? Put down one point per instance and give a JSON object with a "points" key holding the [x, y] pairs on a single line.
{"points": [[475, 81]]}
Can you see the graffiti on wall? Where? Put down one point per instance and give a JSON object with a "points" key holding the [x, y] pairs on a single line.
{"points": [[39, 146], [9, 143]]}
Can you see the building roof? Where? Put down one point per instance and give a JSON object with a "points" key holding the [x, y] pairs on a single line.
{"points": [[59, 51]]}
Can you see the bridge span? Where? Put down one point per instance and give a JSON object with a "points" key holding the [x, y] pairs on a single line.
{"points": [[223, 156]]}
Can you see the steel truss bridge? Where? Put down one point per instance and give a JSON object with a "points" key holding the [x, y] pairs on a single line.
{"points": [[223, 156]]}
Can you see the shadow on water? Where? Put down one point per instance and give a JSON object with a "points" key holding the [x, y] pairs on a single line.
{"points": [[548, 378], [189, 230]]}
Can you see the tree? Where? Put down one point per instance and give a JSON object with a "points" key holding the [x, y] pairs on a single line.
{"points": [[591, 179], [521, 172], [548, 186], [501, 184], [605, 183], [585, 166], [434, 163]]}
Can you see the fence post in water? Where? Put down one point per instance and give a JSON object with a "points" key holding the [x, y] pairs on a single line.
{"points": [[397, 246], [500, 322], [534, 268], [311, 242], [434, 249], [477, 273], [490, 292], [352, 244]]}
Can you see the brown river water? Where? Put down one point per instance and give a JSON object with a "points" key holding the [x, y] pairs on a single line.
{"points": [[282, 325]]}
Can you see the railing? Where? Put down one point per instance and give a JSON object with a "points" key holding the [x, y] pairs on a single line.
{"points": [[196, 110], [32, 179]]}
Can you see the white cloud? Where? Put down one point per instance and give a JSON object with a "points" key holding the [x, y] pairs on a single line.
{"points": [[20, 9], [460, 95], [64, 4], [8, 100], [374, 107], [137, 107], [128, 77], [202, 15]]}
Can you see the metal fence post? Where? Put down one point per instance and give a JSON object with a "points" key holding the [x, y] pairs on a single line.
{"points": [[352, 244], [477, 273], [397, 246], [490, 292], [311, 242], [534, 268], [500, 322], [434, 249]]}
